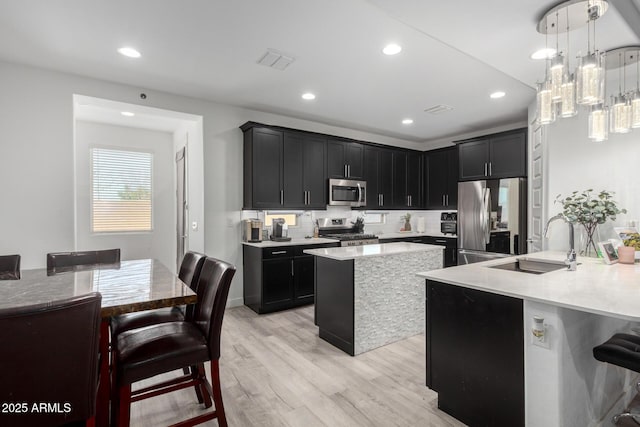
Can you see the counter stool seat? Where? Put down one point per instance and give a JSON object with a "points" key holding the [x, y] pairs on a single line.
{"points": [[621, 350]]}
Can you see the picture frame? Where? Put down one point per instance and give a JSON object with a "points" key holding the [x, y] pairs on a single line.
{"points": [[608, 252]]}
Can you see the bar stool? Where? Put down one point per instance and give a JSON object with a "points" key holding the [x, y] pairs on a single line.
{"points": [[621, 350]]}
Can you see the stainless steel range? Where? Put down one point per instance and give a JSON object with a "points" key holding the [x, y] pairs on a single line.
{"points": [[337, 228]]}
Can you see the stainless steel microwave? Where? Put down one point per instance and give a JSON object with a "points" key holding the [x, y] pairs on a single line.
{"points": [[347, 192]]}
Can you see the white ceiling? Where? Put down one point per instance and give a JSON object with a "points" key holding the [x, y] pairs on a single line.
{"points": [[454, 53]]}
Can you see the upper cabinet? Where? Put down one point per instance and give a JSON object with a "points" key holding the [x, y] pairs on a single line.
{"points": [[407, 179], [501, 155], [283, 169], [441, 178], [378, 172], [345, 159]]}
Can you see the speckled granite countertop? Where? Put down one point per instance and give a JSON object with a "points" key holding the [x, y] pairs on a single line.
{"points": [[130, 286]]}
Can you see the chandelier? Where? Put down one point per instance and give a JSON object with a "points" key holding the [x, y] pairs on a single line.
{"points": [[563, 93]]}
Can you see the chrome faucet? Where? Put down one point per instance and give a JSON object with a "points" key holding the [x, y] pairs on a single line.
{"points": [[571, 261]]}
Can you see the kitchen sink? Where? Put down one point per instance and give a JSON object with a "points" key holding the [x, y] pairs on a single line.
{"points": [[531, 266]]}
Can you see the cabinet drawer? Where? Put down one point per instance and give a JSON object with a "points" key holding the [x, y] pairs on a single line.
{"points": [[449, 242], [278, 252]]}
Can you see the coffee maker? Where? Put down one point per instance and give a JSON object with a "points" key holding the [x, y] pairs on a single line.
{"points": [[279, 230], [252, 231]]}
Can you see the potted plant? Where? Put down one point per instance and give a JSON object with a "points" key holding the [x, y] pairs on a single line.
{"points": [[407, 222], [589, 209], [627, 252]]}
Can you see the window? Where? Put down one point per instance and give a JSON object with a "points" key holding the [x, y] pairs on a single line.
{"points": [[121, 190], [290, 219]]}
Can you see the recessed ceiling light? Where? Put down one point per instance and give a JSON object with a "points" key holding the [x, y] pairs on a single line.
{"points": [[392, 49], [127, 113], [308, 96], [545, 53], [129, 52], [407, 121], [498, 94]]}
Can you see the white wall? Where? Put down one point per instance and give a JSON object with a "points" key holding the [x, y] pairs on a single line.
{"points": [[159, 243], [36, 196], [573, 162]]}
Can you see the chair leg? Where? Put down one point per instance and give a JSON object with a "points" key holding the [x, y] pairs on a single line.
{"points": [[202, 377], [217, 393], [123, 407], [198, 388]]}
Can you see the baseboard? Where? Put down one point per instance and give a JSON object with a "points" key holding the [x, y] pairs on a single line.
{"points": [[235, 302]]}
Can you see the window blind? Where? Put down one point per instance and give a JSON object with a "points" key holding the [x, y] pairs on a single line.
{"points": [[121, 190]]}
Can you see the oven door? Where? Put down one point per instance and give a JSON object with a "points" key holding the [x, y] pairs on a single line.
{"points": [[345, 192]]}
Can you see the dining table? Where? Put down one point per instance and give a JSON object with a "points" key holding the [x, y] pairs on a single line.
{"points": [[126, 287]]}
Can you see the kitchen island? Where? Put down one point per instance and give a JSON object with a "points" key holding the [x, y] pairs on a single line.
{"points": [[485, 363], [368, 296]]}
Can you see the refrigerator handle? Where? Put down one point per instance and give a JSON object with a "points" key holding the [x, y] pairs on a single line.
{"points": [[487, 215]]}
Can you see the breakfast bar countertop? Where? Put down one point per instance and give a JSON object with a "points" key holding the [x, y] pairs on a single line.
{"points": [[609, 290]]}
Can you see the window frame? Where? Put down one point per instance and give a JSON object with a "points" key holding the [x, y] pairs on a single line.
{"points": [[151, 153]]}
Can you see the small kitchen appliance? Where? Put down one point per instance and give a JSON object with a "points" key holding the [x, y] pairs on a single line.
{"points": [[347, 192], [279, 230], [252, 231], [449, 223]]}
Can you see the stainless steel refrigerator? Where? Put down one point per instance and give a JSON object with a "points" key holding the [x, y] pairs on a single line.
{"points": [[492, 219]]}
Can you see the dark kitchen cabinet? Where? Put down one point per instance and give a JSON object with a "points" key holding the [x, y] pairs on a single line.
{"points": [[441, 178], [278, 278], [283, 169], [304, 179], [495, 156], [475, 354], [345, 159], [406, 180], [378, 173], [263, 168]]}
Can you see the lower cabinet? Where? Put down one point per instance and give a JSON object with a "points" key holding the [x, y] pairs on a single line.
{"points": [[278, 278], [475, 354]]}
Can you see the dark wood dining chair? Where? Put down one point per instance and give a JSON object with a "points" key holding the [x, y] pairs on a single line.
{"points": [[49, 359], [189, 273], [65, 261], [152, 350], [9, 267]]}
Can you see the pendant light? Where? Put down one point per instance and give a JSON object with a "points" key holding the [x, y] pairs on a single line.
{"points": [[568, 107], [635, 98], [598, 129], [590, 72], [556, 69], [544, 102], [620, 120]]}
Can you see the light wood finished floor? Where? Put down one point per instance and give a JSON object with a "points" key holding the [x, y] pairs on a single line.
{"points": [[277, 372]]}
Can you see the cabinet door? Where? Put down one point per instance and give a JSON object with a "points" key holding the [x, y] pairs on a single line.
{"points": [[414, 187], [313, 169], [473, 159], [452, 178], [267, 168], [354, 153], [508, 155], [475, 354], [371, 174], [277, 282], [336, 162], [436, 182], [400, 179], [385, 177], [304, 277], [292, 183]]}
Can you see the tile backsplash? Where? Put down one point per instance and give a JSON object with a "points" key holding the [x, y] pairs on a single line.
{"points": [[393, 221]]}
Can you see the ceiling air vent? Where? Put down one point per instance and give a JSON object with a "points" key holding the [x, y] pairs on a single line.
{"points": [[438, 109], [274, 59]]}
